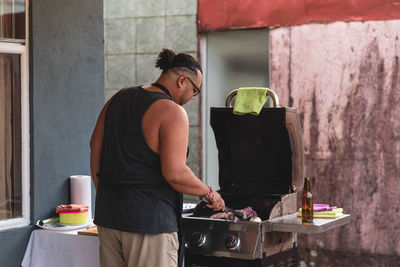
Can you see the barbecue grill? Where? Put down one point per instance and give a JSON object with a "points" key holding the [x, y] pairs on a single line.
{"points": [[260, 165]]}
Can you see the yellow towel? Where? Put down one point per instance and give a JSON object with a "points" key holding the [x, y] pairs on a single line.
{"points": [[327, 212], [250, 100], [324, 216]]}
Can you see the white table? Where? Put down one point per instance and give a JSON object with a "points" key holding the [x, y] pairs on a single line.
{"points": [[62, 249]]}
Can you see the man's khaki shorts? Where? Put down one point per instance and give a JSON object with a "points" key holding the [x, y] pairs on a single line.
{"points": [[122, 249]]}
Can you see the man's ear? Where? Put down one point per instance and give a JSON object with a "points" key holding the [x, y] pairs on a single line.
{"points": [[180, 81]]}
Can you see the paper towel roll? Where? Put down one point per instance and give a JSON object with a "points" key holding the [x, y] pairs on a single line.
{"points": [[81, 192]]}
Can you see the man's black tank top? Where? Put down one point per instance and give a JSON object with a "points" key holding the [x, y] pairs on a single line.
{"points": [[132, 194]]}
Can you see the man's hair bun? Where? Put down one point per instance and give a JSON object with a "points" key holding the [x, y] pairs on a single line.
{"points": [[165, 59]]}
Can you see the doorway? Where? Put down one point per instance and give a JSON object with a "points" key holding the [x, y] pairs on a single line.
{"points": [[231, 60]]}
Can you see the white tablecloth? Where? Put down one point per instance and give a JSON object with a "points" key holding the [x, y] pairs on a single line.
{"points": [[62, 249]]}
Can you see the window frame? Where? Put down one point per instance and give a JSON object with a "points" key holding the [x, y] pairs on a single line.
{"points": [[22, 49]]}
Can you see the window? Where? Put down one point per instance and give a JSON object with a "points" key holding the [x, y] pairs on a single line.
{"points": [[233, 59], [14, 115]]}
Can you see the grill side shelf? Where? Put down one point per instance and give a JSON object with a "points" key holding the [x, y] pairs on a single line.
{"points": [[291, 223]]}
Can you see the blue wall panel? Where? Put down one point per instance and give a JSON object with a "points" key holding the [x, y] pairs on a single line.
{"points": [[67, 93]]}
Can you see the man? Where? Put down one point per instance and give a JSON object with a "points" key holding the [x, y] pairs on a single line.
{"points": [[138, 164]]}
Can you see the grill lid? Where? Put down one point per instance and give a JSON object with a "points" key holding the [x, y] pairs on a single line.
{"points": [[259, 154]]}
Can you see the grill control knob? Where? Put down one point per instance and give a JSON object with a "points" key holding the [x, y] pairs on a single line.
{"points": [[198, 239], [232, 242]]}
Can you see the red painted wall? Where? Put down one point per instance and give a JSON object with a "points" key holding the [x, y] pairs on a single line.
{"points": [[244, 14]]}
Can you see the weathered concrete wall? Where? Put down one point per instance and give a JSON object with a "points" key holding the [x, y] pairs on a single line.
{"points": [[344, 81]]}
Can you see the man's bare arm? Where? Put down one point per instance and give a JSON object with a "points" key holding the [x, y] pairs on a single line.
{"points": [[174, 134], [96, 143]]}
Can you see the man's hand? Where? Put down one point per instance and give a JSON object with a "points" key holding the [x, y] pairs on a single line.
{"points": [[217, 203]]}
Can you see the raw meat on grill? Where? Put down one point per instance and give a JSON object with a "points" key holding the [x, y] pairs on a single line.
{"points": [[248, 212]]}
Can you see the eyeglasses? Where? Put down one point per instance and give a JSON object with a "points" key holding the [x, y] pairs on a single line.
{"points": [[196, 89]]}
